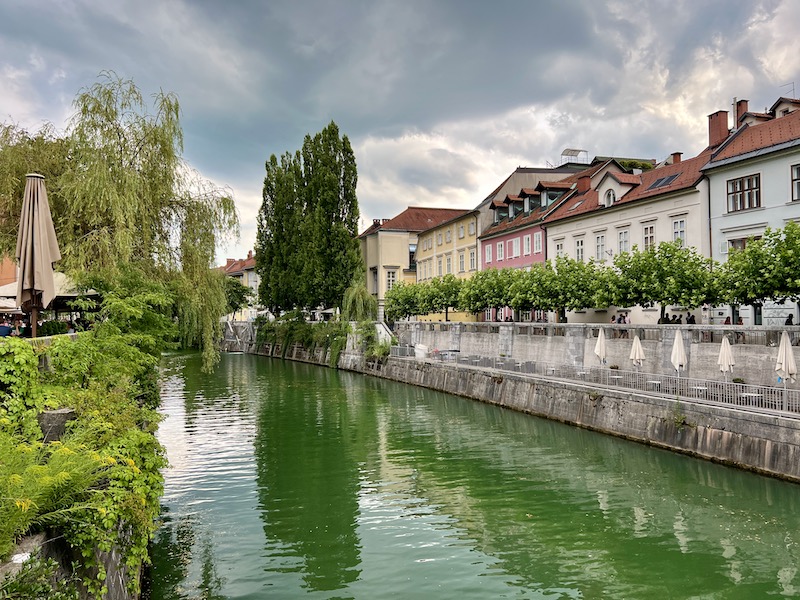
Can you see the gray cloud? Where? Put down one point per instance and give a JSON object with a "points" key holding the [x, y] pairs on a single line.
{"points": [[440, 99]]}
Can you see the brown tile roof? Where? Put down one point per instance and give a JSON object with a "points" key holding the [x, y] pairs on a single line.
{"points": [[760, 136], [517, 222], [235, 266], [655, 182], [416, 219], [512, 198], [529, 192], [564, 184], [627, 178]]}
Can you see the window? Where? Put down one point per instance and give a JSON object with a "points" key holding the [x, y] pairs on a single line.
{"points": [[438, 239], [447, 236], [649, 236], [515, 247], [391, 278], [439, 267], [560, 248], [795, 183], [526, 245], [600, 247], [487, 314], [461, 262], [472, 228], [679, 231], [472, 259], [488, 258], [500, 249], [537, 242], [449, 264], [460, 231], [610, 197], [744, 193], [623, 241], [579, 249]]}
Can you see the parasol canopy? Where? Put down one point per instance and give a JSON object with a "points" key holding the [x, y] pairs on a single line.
{"points": [[600, 346], [678, 356], [785, 365], [637, 352], [725, 360], [37, 249]]}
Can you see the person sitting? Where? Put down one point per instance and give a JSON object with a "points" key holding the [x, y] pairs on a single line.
{"points": [[740, 334], [789, 320], [5, 328], [727, 321], [690, 319]]}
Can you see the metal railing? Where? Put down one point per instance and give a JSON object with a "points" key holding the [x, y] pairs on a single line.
{"points": [[752, 397]]}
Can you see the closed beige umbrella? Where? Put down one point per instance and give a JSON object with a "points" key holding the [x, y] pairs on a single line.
{"points": [[725, 360], [600, 346], [637, 352], [37, 250]]}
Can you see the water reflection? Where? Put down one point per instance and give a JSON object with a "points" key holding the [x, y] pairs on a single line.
{"points": [[289, 480]]}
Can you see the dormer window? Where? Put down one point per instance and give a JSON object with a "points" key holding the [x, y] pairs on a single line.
{"points": [[526, 204], [611, 197]]}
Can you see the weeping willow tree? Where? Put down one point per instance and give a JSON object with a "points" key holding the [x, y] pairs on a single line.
{"points": [[122, 194], [358, 304]]}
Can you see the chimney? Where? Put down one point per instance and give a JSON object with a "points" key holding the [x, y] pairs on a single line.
{"points": [[741, 108], [717, 128], [584, 183], [249, 254], [376, 221], [676, 157], [229, 261]]}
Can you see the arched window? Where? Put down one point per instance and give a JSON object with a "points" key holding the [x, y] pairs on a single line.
{"points": [[610, 197]]}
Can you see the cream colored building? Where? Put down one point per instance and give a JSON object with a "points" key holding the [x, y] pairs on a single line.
{"points": [[389, 248]]}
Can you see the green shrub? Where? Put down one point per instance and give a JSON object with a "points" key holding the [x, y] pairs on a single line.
{"points": [[38, 579]]}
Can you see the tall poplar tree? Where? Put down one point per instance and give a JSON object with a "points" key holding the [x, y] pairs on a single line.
{"points": [[307, 252]]}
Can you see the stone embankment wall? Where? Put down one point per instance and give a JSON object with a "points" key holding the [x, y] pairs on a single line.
{"points": [[764, 443]]}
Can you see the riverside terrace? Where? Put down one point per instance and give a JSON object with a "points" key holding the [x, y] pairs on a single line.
{"points": [[567, 351]]}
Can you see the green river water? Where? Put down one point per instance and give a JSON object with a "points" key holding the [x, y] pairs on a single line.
{"points": [[293, 481]]}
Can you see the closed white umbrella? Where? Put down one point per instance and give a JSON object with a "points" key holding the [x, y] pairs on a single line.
{"points": [[678, 356], [785, 365], [725, 360], [637, 352], [600, 346]]}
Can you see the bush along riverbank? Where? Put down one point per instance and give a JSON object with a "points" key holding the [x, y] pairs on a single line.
{"points": [[94, 493]]}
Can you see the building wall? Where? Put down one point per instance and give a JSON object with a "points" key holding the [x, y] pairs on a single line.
{"points": [[522, 260], [777, 208], [660, 214], [454, 239]]}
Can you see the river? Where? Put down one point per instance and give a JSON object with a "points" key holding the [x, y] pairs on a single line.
{"points": [[288, 480]]}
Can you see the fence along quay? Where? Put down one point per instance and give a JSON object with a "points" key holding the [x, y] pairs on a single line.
{"points": [[550, 370]]}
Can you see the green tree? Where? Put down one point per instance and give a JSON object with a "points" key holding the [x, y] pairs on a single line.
{"points": [[359, 304], [307, 252], [280, 245], [670, 274], [237, 295], [443, 293], [487, 289], [402, 301], [766, 269], [331, 210], [121, 194]]}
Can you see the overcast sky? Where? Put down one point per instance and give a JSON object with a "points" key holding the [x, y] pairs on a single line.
{"points": [[441, 100]]}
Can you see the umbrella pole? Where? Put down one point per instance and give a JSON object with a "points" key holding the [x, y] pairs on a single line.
{"points": [[34, 319]]}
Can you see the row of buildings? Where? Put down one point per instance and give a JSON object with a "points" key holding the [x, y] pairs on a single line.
{"points": [[746, 180]]}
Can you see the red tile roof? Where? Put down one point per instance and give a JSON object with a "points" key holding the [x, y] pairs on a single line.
{"points": [[529, 192], [655, 182], [564, 184], [760, 136], [416, 219], [235, 266], [626, 178]]}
